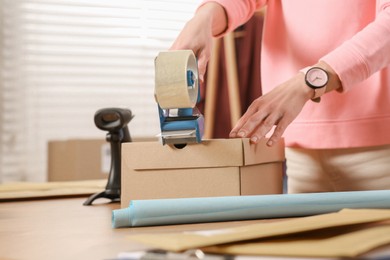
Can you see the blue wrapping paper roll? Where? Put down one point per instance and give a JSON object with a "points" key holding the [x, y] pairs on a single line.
{"points": [[232, 208]]}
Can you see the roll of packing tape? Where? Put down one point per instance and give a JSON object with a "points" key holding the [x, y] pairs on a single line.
{"points": [[176, 79]]}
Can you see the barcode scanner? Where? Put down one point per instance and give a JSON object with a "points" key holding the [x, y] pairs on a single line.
{"points": [[115, 121]]}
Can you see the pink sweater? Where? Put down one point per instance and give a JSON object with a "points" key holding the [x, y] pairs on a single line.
{"points": [[353, 37]]}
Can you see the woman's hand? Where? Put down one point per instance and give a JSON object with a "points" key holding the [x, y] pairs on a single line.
{"points": [[277, 108], [209, 20]]}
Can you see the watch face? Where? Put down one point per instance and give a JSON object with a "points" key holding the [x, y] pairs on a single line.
{"points": [[316, 77]]}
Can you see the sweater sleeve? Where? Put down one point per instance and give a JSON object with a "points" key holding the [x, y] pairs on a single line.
{"points": [[365, 53], [238, 11]]}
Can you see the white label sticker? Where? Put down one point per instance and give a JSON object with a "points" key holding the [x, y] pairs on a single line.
{"points": [[105, 158]]}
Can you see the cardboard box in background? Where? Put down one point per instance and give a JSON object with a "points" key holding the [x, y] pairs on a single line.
{"points": [[78, 159], [81, 159], [218, 167]]}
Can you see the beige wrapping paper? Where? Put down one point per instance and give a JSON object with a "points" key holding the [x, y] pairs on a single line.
{"points": [[350, 241], [171, 88], [28, 190], [347, 233]]}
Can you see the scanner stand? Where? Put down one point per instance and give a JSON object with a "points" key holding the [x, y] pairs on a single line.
{"points": [[113, 188]]}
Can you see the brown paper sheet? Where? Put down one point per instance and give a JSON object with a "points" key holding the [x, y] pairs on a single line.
{"points": [[205, 238], [342, 243], [28, 190]]}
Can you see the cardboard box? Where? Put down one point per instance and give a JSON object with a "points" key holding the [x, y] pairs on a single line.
{"points": [[78, 159], [218, 167]]}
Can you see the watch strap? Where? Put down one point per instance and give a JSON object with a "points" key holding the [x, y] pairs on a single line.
{"points": [[318, 92]]}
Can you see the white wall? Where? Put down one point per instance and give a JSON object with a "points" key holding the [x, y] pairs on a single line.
{"points": [[62, 60]]}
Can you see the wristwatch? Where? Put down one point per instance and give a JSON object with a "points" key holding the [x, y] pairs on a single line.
{"points": [[317, 79]]}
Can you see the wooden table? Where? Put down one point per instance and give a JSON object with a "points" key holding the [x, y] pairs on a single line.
{"points": [[65, 229]]}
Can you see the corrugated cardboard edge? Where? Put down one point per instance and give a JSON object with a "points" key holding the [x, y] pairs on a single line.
{"points": [[226, 153]]}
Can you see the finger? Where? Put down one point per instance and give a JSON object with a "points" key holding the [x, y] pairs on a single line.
{"points": [[238, 127], [252, 109], [233, 133], [278, 132], [249, 123], [202, 65], [264, 127], [203, 57]]}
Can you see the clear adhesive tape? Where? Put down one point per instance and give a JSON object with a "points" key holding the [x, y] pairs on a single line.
{"points": [[176, 79]]}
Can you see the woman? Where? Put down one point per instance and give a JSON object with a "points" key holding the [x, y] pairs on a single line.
{"points": [[326, 78]]}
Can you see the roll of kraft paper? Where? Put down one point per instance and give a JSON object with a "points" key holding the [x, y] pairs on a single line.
{"points": [[175, 70], [215, 209]]}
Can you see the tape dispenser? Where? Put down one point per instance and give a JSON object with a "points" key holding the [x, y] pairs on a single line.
{"points": [[177, 92]]}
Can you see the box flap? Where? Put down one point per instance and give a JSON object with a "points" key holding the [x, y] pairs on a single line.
{"points": [[261, 153], [209, 153]]}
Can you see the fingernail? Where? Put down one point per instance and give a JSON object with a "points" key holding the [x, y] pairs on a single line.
{"points": [[254, 139], [233, 134], [270, 143], [241, 134]]}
